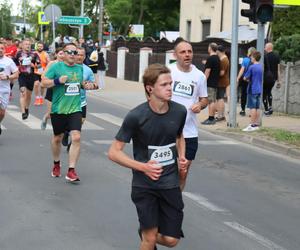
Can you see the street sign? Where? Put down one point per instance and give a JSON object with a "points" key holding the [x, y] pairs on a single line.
{"points": [[79, 20], [287, 2], [52, 13], [42, 18]]}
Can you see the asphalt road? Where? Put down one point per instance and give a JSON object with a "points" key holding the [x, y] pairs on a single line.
{"points": [[238, 197]]}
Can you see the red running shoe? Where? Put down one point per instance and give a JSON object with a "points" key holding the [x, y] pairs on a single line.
{"points": [[71, 175], [56, 171]]}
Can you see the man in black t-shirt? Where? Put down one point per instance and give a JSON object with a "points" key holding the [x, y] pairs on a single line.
{"points": [[271, 75], [155, 128], [212, 73]]}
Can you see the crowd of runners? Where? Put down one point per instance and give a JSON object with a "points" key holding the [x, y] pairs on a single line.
{"points": [[164, 128]]}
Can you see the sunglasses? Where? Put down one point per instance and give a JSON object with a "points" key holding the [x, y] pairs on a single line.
{"points": [[71, 52]]}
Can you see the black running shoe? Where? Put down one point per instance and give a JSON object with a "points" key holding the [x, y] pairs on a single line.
{"points": [[0, 129], [65, 139], [24, 116]]}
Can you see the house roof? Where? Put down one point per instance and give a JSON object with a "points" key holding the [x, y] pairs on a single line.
{"points": [[245, 34]]}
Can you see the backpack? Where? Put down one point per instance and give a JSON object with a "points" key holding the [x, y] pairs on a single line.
{"points": [[94, 56]]}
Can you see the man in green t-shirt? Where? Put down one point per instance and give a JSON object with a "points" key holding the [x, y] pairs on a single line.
{"points": [[66, 78]]}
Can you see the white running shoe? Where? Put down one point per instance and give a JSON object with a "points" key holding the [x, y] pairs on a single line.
{"points": [[250, 128]]}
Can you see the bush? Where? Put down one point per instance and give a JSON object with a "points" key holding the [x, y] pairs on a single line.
{"points": [[288, 48]]}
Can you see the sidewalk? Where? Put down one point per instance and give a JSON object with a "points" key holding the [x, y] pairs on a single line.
{"points": [[129, 94]]}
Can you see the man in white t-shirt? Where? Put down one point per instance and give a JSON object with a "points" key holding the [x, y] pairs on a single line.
{"points": [[8, 72], [189, 89]]}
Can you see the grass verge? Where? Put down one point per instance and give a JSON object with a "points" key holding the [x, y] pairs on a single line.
{"points": [[281, 135]]}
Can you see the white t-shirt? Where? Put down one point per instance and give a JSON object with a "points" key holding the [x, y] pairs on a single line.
{"points": [[187, 87], [7, 67]]}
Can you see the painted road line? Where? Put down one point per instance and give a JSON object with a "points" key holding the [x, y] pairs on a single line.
{"points": [[91, 126], [105, 142], [254, 236], [3, 127], [109, 118], [218, 142], [203, 202], [31, 122], [14, 107]]}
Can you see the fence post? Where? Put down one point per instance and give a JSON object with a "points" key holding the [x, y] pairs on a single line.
{"points": [[121, 62], [144, 60], [286, 87], [170, 57]]}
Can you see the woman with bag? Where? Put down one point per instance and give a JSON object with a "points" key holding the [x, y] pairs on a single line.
{"points": [[102, 67]]}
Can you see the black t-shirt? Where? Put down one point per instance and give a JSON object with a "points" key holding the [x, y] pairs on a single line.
{"points": [[271, 62], [154, 137], [213, 63]]}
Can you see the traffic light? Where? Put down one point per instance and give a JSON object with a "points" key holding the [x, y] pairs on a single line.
{"points": [[44, 28], [259, 10], [264, 10], [24, 30], [251, 12]]}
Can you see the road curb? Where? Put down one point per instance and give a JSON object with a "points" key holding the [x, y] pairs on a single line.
{"points": [[262, 143]]}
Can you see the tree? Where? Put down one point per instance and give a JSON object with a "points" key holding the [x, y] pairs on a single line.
{"points": [[286, 22], [5, 20]]}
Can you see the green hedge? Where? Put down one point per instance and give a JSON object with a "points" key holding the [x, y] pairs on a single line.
{"points": [[288, 47]]}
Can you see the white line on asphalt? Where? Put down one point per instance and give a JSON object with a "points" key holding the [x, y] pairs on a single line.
{"points": [[203, 202], [87, 143], [91, 126], [31, 122], [254, 236], [103, 142], [12, 107], [218, 142], [109, 118]]}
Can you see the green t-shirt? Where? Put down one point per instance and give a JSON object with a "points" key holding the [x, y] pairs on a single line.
{"points": [[66, 97]]}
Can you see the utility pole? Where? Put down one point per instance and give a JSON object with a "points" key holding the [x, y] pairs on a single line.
{"points": [[81, 14], [233, 68], [24, 18], [100, 23]]}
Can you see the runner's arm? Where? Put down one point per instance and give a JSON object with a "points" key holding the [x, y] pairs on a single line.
{"points": [[117, 155], [182, 161], [197, 107], [13, 76]]}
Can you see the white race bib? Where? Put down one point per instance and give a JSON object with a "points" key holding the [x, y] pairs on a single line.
{"points": [[183, 89], [72, 88], [164, 155], [26, 61]]}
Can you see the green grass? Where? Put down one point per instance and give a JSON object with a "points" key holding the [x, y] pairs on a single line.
{"points": [[281, 135]]}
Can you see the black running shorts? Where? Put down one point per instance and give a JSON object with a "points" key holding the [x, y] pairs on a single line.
{"points": [[161, 208], [83, 111], [62, 122], [191, 147], [26, 80]]}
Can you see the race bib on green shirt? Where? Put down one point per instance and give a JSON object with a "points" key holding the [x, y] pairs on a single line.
{"points": [[72, 89]]}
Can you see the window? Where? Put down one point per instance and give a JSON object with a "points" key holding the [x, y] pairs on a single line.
{"points": [[205, 28], [17, 28], [188, 30]]}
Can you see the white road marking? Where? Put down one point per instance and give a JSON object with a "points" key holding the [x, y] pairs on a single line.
{"points": [[2, 127], [87, 143], [31, 122], [103, 142], [254, 236], [109, 118], [203, 202], [218, 142], [91, 126], [12, 107]]}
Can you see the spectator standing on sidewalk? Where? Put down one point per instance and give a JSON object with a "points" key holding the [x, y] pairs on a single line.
{"points": [[189, 89], [255, 77], [155, 128], [271, 75], [223, 83], [212, 73], [241, 82], [101, 70]]}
